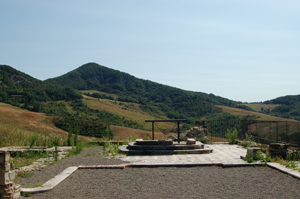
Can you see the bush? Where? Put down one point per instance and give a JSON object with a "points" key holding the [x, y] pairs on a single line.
{"points": [[231, 136]]}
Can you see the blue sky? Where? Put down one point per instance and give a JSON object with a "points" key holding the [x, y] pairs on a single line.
{"points": [[242, 50]]}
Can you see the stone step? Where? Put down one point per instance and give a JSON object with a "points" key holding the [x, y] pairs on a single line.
{"points": [[124, 149], [134, 146], [153, 142]]}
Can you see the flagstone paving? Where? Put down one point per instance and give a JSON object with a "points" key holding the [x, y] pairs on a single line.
{"points": [[222, 154]]}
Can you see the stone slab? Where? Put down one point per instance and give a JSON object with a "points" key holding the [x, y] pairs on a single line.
{"points": [[284, 169], [52, 182], [124, 149], [103, 167], [135, 146], [153, 142], [191, 141]]}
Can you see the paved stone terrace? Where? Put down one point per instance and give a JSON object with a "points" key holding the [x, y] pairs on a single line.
{"points": [[222, 154]]}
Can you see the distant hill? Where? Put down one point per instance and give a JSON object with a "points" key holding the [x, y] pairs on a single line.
{"points": [[244, 113], [290, 106], [18, 88], [93, 97], [152, 97]]}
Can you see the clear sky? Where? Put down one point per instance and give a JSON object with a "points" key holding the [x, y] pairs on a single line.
{"points": [[244, 50]]}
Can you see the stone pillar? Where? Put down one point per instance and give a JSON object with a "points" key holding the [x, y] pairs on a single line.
{"points": [[8, 189]]}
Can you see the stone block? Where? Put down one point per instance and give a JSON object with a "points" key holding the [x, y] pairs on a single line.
{"points": [[4, 158], [4, 178], [278, 146], [5, 167], [191, 141], [12, 175]]}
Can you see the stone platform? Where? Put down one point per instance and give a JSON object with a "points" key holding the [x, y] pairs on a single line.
{"points": [[163, 147]]}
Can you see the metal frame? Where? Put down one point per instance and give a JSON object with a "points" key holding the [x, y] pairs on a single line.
{"points": [[174, 120]]}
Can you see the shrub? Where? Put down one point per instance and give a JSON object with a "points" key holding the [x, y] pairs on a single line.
{"points": [[231, 136]]}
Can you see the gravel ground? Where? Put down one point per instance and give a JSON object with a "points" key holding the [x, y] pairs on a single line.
{"points": [[165, 182], [86, 157]]}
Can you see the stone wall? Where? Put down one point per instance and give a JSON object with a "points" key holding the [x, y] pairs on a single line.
{"points": [[8, 189], [199, 133]]}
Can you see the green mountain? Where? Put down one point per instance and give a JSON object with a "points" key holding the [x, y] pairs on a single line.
{"points": [[175, 103], [60, 97], [18, 88], [290, 107]]}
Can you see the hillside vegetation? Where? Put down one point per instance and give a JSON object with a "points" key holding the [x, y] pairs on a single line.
{"points": [[17, 119], [260, 107], [93, 97], [290, 106], [243, 113], [154, 98], [20, 89]]}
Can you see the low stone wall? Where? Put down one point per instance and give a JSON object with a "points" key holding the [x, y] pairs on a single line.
{"points": [[8, 189]]}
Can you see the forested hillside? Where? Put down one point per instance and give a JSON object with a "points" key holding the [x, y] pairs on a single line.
{"points": [[151, 96], [290, 107], [132, 99], [18, 89]]}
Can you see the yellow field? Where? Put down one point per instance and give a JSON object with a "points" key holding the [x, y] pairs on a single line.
{"points": [[130, 111], [95, 91], [16, 119], [122, 133], [242, 112], [257, 107]]}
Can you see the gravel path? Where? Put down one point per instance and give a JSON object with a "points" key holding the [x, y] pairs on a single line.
{"points": [[166, 182], [86, 157]]}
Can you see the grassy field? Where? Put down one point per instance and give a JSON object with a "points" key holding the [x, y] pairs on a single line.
{"points": [[257, 107], [15, 118], [122, 133], [94, 91], [242, 112], [130, 111], [18, 121]]}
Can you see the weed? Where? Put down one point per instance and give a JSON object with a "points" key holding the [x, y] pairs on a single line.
{"points": [[231, 136], [204, 141], [110, 150], [131, 139], [108, 133], [21, 159], [33, 139], [19, 138], [289, 157], [263, 160], [248, 141], [25, 194], [70, 136], [24, 174], [125, 142], [291, 164], [55, 154], [249, 157], [35, 185]]}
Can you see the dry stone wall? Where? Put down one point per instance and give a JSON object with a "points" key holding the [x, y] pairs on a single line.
{"points": [[8, 189], [199, 133]]}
